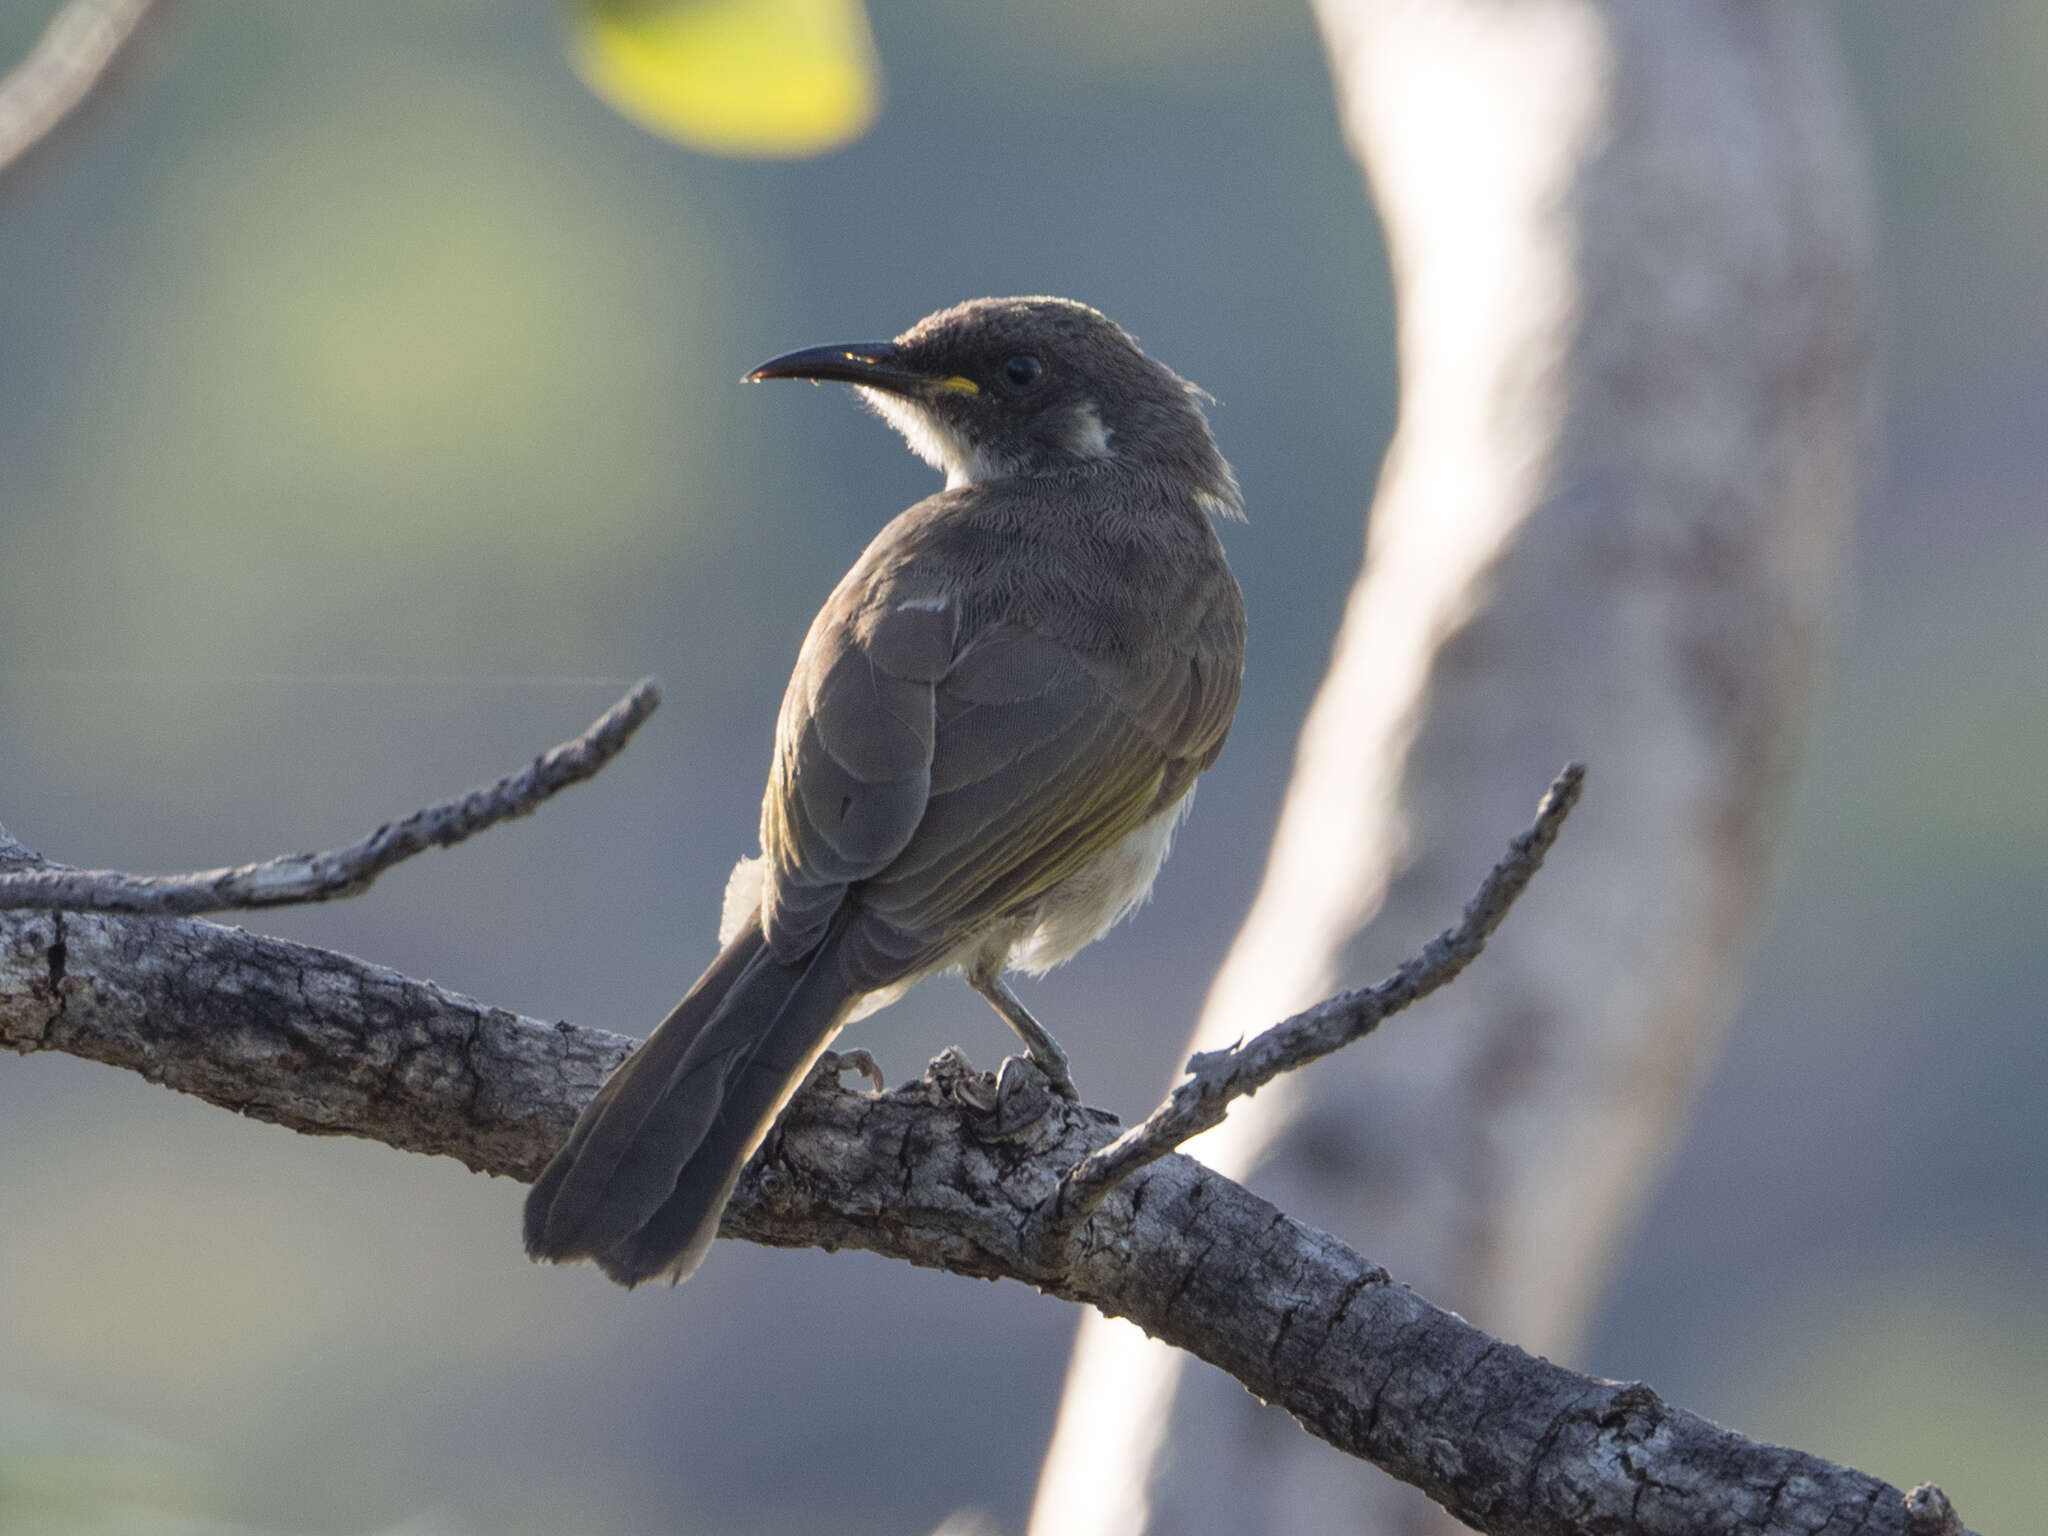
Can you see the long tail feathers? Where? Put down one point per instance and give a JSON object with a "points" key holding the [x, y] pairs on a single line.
{"points": [[655, 1155]]}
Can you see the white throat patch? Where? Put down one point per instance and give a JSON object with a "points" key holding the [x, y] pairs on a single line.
{"points": [[932, 440]]}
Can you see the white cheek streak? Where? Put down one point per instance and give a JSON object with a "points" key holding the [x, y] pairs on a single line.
{"points": [[926, 604], [1087, 437]]}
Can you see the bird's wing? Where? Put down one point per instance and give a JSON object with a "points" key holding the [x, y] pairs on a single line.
{"points": [[1037, 768], [853, 756], [1181, 690], [955, 772]]}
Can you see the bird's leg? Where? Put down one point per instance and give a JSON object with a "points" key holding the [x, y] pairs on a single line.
{"points": [[1040, 1046]]}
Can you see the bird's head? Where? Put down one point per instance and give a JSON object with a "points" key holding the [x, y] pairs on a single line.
{"points": [[999, 388]]}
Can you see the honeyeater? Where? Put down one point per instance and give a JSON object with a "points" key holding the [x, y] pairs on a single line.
{"points": [[995, 724]]}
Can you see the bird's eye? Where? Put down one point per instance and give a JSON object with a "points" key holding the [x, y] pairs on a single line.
{"points": [[1022, 371]]}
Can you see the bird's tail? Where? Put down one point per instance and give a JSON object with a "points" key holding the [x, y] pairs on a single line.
{"points": [[655, 1155]]}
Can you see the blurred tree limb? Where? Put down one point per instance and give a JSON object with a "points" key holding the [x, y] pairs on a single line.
{"points": [[1630, 251], [74, 57], [1219, 1078], [956, 1171]]}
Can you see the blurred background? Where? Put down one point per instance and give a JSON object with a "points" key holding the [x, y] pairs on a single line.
{"points": [[369, 418]]}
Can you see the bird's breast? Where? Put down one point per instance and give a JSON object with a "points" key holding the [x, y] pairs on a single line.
{"points": [[1077, 911]]}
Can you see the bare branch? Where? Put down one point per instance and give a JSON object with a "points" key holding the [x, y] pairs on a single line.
{"points": [[68, 62], [942, 1173], [347, 871], [1216, 1078]]}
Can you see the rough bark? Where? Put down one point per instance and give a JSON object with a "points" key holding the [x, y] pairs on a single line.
{"points": [[1629, 251], [946, 1172]]}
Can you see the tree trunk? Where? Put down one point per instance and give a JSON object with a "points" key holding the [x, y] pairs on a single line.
{"points": [[1630, 252]]}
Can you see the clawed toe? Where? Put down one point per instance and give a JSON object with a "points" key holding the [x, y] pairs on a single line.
{"points": [[831, 1064]]}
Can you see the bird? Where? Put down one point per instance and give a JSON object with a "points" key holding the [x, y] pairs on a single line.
{"points": [[993, 728]]}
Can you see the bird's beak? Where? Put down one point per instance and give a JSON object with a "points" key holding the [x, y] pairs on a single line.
{"points": [[876, 364]]}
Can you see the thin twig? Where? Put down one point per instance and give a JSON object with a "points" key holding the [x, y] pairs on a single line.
{"points": [[69, 60], [345, 871], [1216, 1078]]}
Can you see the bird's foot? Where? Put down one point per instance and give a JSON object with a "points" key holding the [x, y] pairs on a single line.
{"points": [[830, 1064], [1053, 1066], [1025, 1095], [1006, 1104], [1039, 1045]]}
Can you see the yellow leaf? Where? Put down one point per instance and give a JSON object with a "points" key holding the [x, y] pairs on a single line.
{"points": [[735, 77]]}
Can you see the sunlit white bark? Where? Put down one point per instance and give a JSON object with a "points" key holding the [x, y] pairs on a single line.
{"points": [[1629, 251]]}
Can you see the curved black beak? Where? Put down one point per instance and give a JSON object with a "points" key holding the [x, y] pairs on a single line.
{"points": [[877, 364]]}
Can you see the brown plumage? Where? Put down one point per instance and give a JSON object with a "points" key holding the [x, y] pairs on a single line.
{"points": [[993, 725]]}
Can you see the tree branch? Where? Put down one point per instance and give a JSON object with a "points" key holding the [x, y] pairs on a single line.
{"points": [[297, 878], [1612, 228], [67, 64], [1217, 1078], [939, 1173], [1929, 1513]]}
